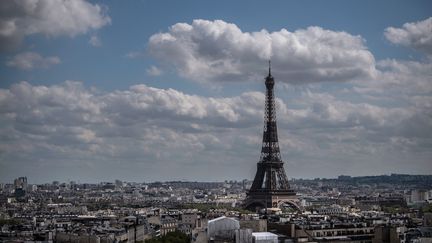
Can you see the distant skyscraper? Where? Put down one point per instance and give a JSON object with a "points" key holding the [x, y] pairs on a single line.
{"points": [[21, 182], [270, 187]]}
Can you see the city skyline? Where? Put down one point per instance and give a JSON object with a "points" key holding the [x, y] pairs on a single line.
{"points": [[158, 91]]}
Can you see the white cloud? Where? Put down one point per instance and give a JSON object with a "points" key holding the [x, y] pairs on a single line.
{"points": [[95, 41], [20, 18], [152, 129], [67, 122], [417, 35], [32, 60], [220, 51], [398, 80], [154, 71]]}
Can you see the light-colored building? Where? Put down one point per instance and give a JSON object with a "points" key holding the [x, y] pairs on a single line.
{"points": [[222, 228]]}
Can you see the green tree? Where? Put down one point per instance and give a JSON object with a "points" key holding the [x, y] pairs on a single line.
{"points": [[171, 237], [427, 208], [10, 222]]}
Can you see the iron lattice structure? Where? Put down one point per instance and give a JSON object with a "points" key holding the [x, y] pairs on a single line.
{"points": [[270, 185]]}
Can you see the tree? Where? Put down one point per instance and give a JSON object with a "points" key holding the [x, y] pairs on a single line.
{"points": [[171, 237]]}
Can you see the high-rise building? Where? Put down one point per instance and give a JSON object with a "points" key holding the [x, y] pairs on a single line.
{"points": [[21, 182], [270, 188]]}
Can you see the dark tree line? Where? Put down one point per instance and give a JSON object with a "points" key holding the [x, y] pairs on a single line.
{"points": [[171, 237]]}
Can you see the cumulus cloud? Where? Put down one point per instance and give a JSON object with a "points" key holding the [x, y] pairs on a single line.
{"points": [[68, 122], [398, 80], [44, 109], [417, 35], [32, 60], [152, 129], [20, 18], [220, 51]]}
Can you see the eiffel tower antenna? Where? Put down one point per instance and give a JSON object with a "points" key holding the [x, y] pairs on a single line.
{"points": [[269, 67]]}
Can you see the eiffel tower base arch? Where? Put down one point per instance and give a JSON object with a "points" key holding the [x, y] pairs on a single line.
{"points": [[258, 201]]}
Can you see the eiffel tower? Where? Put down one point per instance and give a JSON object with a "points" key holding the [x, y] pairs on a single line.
{"points": [[270, 188]]}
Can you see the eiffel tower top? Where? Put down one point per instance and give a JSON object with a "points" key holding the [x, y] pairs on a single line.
{"points": [[269, 68], [269, 79], [270, 151]]}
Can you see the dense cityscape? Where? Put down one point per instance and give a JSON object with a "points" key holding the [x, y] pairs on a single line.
{"points": [[388, 208]]}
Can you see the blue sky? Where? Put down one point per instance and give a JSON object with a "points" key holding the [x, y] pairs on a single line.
{"points": [[133, 89]]}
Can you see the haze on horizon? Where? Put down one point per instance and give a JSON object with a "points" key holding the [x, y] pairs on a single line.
{"points": [[157, 91]]}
